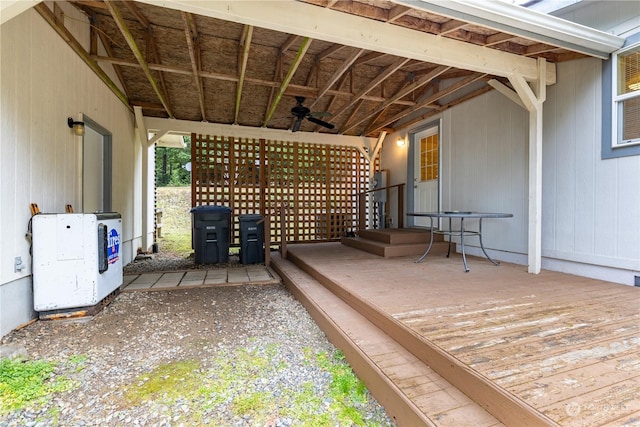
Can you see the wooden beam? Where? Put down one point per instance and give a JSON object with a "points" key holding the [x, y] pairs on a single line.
{"points": [[353, 113], [117, 16], [437, 109], [330, 51], [48, 16], [152, 47], [506, 91], [288, 43], [191, 34], [277, 74], [245, 44], [337, 74], [106, 44], [187, 126], [385, 74], [140, 125], [397, 12], [292, 69], [378, 146], [293, 89], [333, 100], [404, 92], [451, 26], [299, 18], [425, 103]]}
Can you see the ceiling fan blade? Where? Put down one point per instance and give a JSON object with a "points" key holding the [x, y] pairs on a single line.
{"points": [[296, 125], [320, 114], [320, 122]]}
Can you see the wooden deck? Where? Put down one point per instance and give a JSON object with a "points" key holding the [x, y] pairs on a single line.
{"points": [[496, 345]]}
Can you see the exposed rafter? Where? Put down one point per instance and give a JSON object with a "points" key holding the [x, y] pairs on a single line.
{"points": [[117, 16], [107, 47], [48, 16], [337, 74], [277, 75], [251, 45], [150, 42], [191, 35], [388, 71], [404, 92], [293, 89], [426, 103], [397, 12], [245, 44], [292, 69]]}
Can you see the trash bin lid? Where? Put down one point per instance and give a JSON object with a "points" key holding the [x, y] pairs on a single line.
{"points": [[249, 217], [211, 208]]}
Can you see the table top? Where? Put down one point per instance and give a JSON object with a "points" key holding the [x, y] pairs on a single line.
{"points": [[461, 214]]}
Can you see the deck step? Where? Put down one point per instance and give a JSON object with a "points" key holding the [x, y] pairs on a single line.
{"points": [[501, 404], [411, 392], [396, 236], [388, 250]]}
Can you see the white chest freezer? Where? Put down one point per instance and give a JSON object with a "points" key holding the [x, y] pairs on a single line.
{"points": [[77, 259]]}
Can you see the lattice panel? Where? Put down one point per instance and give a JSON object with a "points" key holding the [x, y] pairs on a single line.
{"points": [[317, 182]]}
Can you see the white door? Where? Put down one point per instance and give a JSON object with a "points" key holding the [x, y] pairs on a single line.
{"points": [[425, 181]]}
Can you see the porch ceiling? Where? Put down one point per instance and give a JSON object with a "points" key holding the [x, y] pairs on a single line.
{"points": [[179, 64]]}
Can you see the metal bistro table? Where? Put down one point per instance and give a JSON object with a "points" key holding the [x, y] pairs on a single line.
{"points": [[462, 215]]}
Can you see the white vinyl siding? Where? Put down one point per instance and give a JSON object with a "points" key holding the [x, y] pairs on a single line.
{"points": [[42, 83]]}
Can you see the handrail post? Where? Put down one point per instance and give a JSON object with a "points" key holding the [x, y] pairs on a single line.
{"points": [[401, 205], [362, 202], [362, 217]]}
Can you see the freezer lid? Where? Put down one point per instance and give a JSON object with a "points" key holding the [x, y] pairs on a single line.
{"points": [[102, 216]]}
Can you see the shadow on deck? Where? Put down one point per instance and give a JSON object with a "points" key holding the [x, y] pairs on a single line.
{"points": [[497, 346]]}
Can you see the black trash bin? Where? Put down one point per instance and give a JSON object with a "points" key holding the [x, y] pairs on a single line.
{"points": [[251, 239], [210, 235]]}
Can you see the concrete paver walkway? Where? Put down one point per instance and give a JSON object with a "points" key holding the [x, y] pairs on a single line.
{"points": [[253, 274]]}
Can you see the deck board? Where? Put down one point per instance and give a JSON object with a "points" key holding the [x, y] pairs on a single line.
{"points": [[435, 402], [557, 342]]}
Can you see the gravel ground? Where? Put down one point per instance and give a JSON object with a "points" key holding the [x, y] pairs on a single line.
{"points": [[216, 328]]}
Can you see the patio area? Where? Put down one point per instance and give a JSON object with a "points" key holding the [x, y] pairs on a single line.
{"points": [[493, 346], [233, 276]]}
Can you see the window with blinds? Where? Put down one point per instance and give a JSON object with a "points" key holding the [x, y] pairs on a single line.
{"points": [[627, 99]]}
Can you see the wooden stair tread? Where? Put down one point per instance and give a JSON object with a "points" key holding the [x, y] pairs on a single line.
{"points": [[399, 235], [411, 392], [394, 250]]}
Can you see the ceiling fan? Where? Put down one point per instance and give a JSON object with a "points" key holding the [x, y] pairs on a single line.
{"points": [[301, 112]]}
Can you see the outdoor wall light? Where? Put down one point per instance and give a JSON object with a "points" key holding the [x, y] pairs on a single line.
{"points": [[78, 127], [400, 142]]}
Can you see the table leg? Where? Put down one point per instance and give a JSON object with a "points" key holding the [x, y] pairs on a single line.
{"points": [[430, 241], [482, 246], [464, 255]]}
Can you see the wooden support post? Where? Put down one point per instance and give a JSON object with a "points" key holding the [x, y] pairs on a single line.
{"points": [[283, 233], [267, 239], [362, 213]]}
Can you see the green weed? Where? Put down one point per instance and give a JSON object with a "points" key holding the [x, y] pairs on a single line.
{"points": [[22, 383], [166, 383]]}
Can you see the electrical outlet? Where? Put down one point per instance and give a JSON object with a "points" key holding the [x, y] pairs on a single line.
{"points": [[18, 266]]}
